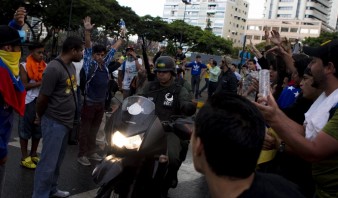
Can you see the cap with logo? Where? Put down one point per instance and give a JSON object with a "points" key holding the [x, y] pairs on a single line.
{"points": [[326, 51]]}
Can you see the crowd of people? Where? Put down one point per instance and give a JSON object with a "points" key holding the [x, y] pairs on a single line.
{"points": [[246, 144]]}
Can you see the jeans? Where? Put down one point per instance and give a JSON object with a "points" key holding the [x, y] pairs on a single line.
{"points": [[47, 172], [206, 85], [212, 88], [91, 118], [195, 85]]}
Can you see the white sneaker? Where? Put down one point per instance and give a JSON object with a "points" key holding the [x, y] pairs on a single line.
{"points": [[84, 161], [95, 157], [60, 193]]}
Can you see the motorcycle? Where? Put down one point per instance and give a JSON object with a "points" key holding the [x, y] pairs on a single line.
{"points": [[136, 164]]}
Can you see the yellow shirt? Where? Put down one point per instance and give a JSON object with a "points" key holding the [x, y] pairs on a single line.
{"points": [[268, 155], [206, 73]]}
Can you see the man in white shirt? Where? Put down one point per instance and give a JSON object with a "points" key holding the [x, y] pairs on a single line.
{"points": [[128, 71]]}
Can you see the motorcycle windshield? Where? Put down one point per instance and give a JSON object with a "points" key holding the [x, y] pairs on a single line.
{"points": [[137, 114]]}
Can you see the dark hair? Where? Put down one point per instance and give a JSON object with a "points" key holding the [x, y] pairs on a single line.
{"points": [[36, 45], [214, 62], [301, 63], [180, 48], [99, 48], [252, 60], [232, 132], [72, 42], [198, 56], [278, 64]]}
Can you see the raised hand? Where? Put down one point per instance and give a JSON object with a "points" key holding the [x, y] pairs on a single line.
{"points": [[275, 37], [19, 16], [87, 23]]}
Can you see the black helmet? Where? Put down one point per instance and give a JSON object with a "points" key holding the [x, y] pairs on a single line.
{"points": [[165, 63]]}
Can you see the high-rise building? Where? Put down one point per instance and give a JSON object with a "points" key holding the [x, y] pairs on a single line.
{"points": [[226, 18], [322, 10]]}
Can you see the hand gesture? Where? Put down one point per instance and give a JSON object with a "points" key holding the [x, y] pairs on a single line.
{"points": [[19, 16], [133, 54], [266, 32], [87, 23], [275, 37], [267, 106]]}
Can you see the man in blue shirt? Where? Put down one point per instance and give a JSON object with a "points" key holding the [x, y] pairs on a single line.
{"points": [[196, 68], [95, 65]]}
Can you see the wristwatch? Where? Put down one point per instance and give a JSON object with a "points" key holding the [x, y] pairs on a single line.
{"points": [[281, 148]]}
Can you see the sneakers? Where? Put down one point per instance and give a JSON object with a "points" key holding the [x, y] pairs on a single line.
{"points": [[95, 157], [35, 159], [84, 161], [28, 163], [60, 193]]}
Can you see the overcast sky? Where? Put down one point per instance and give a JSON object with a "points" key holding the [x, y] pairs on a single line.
{"points": [[155, 7]]}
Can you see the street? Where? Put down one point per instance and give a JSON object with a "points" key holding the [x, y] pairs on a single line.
{"points": [[76, 178]]}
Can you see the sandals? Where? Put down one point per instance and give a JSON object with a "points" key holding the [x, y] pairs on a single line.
{"points": [[35, 159], [28, 163]]}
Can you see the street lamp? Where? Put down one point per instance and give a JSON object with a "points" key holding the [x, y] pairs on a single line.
{"points": [[70, 16], [185, 7]]}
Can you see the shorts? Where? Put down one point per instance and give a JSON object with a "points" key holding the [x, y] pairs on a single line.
{"points": [[27, 128]]}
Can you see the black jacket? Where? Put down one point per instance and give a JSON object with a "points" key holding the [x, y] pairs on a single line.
{"points": [[227, 82]]}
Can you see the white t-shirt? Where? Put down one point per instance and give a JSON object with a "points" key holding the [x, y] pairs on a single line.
{"points": [[32, 93], [129, 74], [78, 67]]}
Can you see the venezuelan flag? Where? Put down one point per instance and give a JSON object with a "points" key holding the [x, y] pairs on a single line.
{"points": [[12, 89]]}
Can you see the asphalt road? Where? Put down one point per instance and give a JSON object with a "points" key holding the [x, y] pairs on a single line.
{"points": [[76, 178]]}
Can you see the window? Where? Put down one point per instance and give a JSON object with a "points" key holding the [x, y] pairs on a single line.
{"points": [[312, 31], [257, 38], [304, 31], [285, 0], [285, 8], [294, 30], [284, 29]]}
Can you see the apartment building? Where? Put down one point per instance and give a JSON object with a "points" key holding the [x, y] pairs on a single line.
{"points": [[290, 28], [318, 10], [226, 18]]}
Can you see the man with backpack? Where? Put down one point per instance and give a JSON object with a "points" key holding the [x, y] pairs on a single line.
{"points": [[170, 97], [128, 71], [95, 66]]}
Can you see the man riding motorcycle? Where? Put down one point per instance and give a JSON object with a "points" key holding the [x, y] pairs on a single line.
{"points": [[170, 98]]}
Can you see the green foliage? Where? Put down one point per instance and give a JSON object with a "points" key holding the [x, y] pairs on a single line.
{"points": [[54, 14], [324, 36]]}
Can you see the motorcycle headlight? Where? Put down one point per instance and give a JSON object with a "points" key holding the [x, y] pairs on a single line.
{"points": [[119, 140]]}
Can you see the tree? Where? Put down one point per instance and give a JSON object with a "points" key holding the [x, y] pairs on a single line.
{"points": [[324, 36]]}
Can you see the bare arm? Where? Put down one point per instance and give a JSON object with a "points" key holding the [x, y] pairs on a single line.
{"points": [[24, 79], [88, 26], [41, 104], [293, 134]]}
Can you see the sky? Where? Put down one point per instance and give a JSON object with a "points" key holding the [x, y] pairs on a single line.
{"points": [[155, 7]]}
